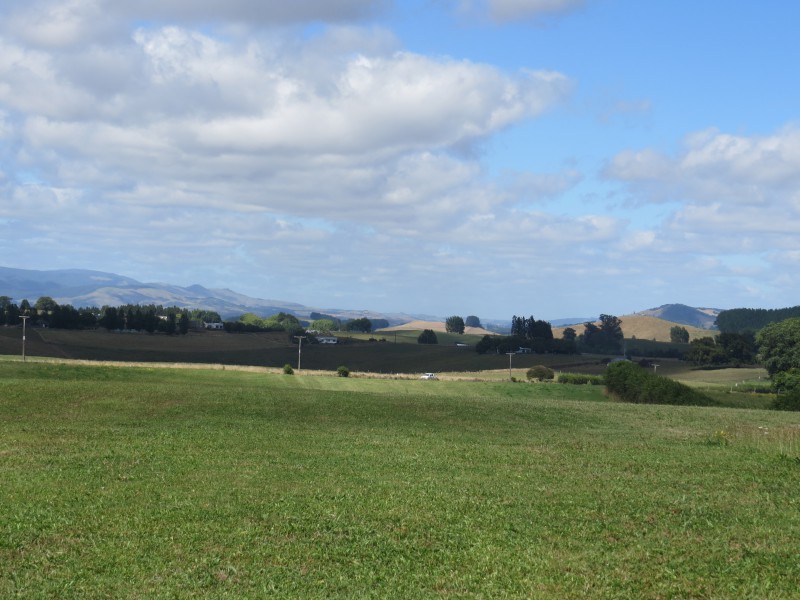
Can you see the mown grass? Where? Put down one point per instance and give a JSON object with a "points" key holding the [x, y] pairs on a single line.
{"points": [[124, 482]]}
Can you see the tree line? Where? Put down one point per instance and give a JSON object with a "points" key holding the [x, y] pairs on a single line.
{"points": [[328, 323], [743, 320], [536, 335], [150, 318]]}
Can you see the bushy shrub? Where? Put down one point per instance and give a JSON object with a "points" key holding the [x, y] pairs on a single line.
{"points": [[287, 369], [786, 381], [628, 382], [787, 401], [580, 379], [343, 371], [540, 373]]}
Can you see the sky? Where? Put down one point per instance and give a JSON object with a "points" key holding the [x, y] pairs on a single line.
{"points": [[553, 158]]}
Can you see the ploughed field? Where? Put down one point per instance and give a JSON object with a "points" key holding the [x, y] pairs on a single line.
{"points": [[140, 482], [387, 353]]}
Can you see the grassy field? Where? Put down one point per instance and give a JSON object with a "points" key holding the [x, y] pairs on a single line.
{"points": [[143, 482]]}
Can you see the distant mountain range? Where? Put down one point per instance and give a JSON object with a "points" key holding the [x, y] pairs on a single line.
{"points": [[95, 288], [80, 287]]}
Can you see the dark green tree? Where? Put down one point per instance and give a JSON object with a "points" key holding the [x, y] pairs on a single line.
{"points": [[786, 381], [530, 328], [611, 327], [282, 319], [484, 345], [5, 302], [206, 316], [679, 335], [428, 336], [170, 325], [183, 323], [779, 346], [569, 334], [629, 382], [741, 320], [704, 352], [454, 324], [740, 348], [324, 325], [45, 305], [11, 314], [111, 319], [363, 324], [379, 324], [605, 338], [472, 321]]}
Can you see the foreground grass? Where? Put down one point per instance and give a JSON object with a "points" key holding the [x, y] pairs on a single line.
{"points": [[126, 482]]}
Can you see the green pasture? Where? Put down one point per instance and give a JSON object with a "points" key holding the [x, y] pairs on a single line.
{"points": [[144, 482]]}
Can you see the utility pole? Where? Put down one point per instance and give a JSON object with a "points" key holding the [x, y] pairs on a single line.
{"points": [[510, 354], [24, 321], [300, 339]]}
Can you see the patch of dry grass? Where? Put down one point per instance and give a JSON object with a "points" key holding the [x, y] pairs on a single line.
{"points": [[643, 327]]}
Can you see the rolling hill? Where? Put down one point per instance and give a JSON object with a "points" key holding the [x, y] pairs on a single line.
{"points": [[642, 327], [702, 318], [645, 327], [438, 326]]}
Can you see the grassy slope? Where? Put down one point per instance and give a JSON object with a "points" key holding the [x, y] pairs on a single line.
{"points": [[437, 326], [644, 327], [145, 482]]}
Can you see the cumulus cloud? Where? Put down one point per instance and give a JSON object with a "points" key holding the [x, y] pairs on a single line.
{"points": [[239, 123], [734, 203], [718, 167]]}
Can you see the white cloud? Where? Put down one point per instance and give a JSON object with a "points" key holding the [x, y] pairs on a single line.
{"points": [[735, 212], [718, 167], [238, 123]]}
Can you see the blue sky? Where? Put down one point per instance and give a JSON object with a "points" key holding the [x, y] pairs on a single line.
{"points": [[560, 158]]}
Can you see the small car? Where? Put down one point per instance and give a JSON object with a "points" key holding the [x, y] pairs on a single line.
{"points": [[429, 376]]}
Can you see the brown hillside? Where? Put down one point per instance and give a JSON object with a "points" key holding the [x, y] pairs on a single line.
{"points": [[435, 326], [643, 327]]}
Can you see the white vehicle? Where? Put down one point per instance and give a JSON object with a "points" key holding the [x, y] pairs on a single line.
{"points": [[429, 376]]}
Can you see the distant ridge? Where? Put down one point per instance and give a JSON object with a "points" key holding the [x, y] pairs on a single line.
{"points": [[80, 287], [83, 287], [703, 318]]}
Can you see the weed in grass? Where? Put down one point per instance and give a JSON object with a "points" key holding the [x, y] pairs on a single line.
{"points": [[783, 440], [719, 438]]}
